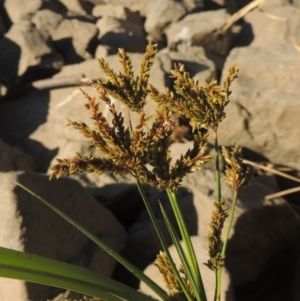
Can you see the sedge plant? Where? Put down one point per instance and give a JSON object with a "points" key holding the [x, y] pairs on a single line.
{"points": [[142, 150]]}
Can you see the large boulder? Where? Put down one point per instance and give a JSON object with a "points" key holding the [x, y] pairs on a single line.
{"points": [[160, 14], [30, 226], [280, 23], [264, 103], [117, 11], [133, 5], [119, 33], [201, 29], [47, 21], [18, 10], [26, 53], [75, 40]]}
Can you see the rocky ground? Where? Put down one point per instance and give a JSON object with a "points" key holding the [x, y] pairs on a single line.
{"points": [[47, 48]]}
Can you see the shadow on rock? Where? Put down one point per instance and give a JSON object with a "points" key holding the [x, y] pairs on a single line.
{"points": [[19, 119], [143, 244], [261, 263]]}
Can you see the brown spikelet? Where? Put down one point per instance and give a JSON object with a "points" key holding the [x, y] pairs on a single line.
{"points": [[204, 105], [236, 172], [168, 275], [215, 243], [142, 149]]}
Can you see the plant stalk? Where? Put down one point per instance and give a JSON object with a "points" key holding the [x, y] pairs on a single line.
{"points": [[231, 216], [223, 252], [160, 236], [188, 243]]}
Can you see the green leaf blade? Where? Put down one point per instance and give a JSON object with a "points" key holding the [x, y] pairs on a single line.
{"points": [[38, 269]]}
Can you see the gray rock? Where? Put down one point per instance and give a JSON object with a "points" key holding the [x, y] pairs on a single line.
{"points": [[280, 25], [104, 51], [273, 3], [133, 5], [201, 29], [264, 103], [28, 225], [116, 11], [260, 236], [18, 10], [26, 53], [77, 6], [125, 34], [160, 14], [47, 21], [73, 38]]}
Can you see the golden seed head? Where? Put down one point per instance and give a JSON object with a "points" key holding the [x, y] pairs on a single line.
{"points": [[236, 172], [133, 149]]}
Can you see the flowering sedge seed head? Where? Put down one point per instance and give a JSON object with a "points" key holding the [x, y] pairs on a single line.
{"points": [[130, 90], [169, 277], [215, 242], [168, 274], [132, 149], [202, 105], [236, 172]]}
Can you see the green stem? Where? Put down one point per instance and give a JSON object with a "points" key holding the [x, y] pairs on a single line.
{"points": [[217, 166], [218, 284], [188, 243], [231, 216], [162, 239], [223, 252]]}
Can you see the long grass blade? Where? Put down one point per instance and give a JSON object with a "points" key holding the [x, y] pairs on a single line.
{"points": [[41, 270], [134, 270]]}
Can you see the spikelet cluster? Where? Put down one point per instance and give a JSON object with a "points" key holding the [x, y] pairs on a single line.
{"points": [[215, 242], [204, 105], [237, 173], [170, 279], [140, 150]]}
